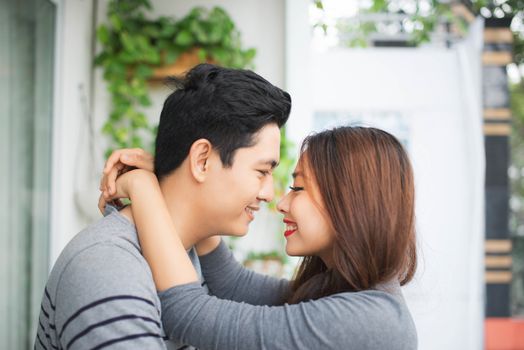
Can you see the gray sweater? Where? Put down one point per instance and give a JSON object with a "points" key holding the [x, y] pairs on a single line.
{"points": [[246, 311], [101, 293]]}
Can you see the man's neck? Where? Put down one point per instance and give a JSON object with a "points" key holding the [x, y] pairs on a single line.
{"points": [[184, 213]]}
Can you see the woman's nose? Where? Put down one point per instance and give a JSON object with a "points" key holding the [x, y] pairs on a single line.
{"points": [[283, 204]]}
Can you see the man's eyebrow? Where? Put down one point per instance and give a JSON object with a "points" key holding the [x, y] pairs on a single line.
{"points": [[271, 162]]}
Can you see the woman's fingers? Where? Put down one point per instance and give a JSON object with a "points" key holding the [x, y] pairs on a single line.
{"points": [[111, 177], [102, 182], [138, 159], [113, 159], [135, 157], [102, 204]]}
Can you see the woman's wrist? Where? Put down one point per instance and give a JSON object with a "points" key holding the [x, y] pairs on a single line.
{"points": [[142, 181]]}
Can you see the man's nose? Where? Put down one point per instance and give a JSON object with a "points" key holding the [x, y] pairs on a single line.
{"points": [[267, 191]]}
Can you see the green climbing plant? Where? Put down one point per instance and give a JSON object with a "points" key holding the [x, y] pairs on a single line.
{"points": [[132, 45]]}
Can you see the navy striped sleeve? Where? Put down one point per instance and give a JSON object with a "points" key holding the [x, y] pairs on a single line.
{"points": [[106, 299]]}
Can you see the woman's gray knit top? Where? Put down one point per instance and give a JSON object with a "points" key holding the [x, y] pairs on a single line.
{"points": [[247, 311]]}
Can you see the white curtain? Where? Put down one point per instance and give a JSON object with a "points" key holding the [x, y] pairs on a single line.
{"points": [[27, 30]]}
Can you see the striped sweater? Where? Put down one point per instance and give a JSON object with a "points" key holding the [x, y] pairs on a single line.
{"points": [[100, 293]]}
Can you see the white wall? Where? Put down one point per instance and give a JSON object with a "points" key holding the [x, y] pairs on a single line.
{"points": [[425, 87], [437, 91]]}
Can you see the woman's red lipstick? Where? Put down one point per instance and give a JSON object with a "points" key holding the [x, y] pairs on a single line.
{"points": [[288, 233]]}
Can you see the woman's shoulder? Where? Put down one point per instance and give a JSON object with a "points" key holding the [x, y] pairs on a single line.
{"points": [[383, 312], [385, 302]]}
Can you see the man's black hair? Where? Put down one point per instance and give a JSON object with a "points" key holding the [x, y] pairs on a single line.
{"points": [[225, 106]]}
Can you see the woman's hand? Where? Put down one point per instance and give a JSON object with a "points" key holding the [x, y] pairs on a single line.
{"points": [[125, 186], [118, 163]]}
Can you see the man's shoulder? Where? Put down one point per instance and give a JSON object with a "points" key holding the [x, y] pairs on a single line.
{"points": [[107, 288], [103, 270], [106, 249]]}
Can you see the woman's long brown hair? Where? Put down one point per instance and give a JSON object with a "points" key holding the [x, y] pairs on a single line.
{"points": [[366, 187]]}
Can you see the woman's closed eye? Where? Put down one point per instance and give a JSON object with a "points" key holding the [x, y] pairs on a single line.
{"points": [[296, 188]]}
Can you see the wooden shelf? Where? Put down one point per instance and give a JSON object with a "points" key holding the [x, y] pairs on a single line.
{"points": [[182, 65]]}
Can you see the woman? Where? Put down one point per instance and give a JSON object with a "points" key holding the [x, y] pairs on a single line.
{"points": [[350, 214]]}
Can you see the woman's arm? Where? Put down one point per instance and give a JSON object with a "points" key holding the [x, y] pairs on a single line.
{"points": [[159, 241], [363, 320]]}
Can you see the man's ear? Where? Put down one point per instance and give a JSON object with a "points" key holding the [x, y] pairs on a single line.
{"points": [[199, 155]]}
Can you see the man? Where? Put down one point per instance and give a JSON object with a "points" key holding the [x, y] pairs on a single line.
{"points": [[217, 144]]}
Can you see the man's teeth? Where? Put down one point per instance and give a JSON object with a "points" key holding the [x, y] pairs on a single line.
{"points": [[249, 210], [290, 227]]}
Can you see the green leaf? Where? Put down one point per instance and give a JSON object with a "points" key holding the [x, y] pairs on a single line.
{"points": [[198, 31], [136, 142], [143, 71], [141, 120], [168, 30], [116, 22], [100, 59], [215, 36], [127, 41], [171, 55], [102, 34], [145, 101], [108, 152], [379, 6], [121, 135], [202, 55], [152, 56], [250, 54], [151, 31], [107, 128], [184, 38], [196, 12]]}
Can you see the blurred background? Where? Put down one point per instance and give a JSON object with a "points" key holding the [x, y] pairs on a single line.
{"points": [[79, 78]]}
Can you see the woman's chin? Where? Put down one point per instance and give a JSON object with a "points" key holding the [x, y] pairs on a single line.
{"points": [[292, 252]]}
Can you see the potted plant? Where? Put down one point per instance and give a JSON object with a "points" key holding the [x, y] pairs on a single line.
{"points": [[137, 49], [269, 263]]}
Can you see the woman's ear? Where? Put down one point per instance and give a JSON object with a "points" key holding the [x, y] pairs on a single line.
{"points": [[199, 155]]}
